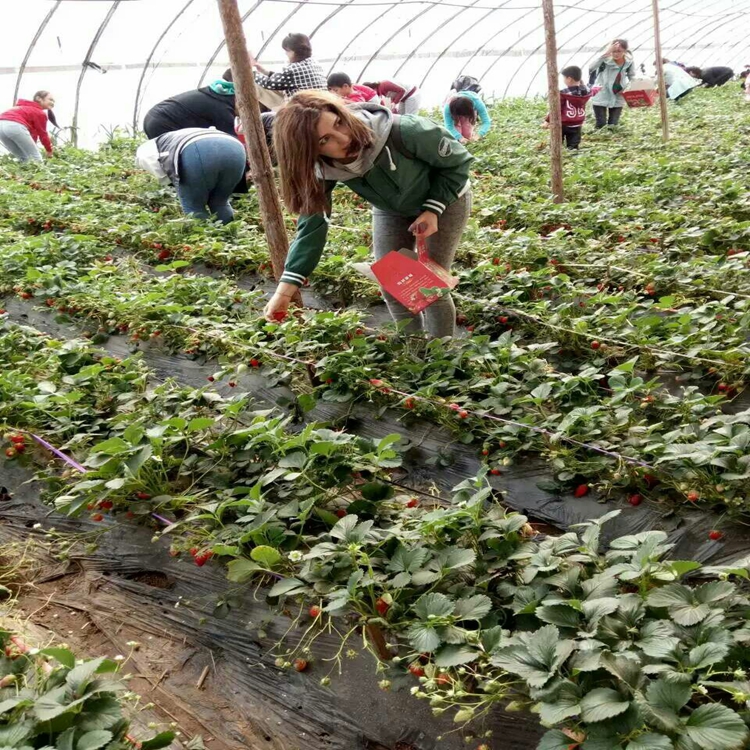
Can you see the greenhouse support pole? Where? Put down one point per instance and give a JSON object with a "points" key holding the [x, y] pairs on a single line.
{"points": [[660, 74], [555, 118], [255, 139]]}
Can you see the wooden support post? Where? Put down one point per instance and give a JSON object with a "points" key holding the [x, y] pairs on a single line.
{"points": [[255, 139], [553, 86], [660, 74]]}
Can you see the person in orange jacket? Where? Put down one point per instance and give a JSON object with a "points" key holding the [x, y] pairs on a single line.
{"points": [[25, 124]]}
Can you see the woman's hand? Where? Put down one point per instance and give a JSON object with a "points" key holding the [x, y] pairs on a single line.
{"points": [[276, 309], [426, 224]]}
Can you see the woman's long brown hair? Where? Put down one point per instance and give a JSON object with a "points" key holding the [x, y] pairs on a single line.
{"points": [[296, 142]]}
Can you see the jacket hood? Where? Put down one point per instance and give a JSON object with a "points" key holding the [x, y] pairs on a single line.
{"points": [[28, 103], [379, 120]]}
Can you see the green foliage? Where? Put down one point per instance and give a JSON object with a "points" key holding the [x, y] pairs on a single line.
{"points": [[50, 699]]}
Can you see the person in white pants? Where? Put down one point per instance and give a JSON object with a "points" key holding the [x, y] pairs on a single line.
{"points": [[402, 98]]}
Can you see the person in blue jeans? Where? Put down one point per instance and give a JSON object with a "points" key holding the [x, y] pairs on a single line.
{"points": [[203, 164]]}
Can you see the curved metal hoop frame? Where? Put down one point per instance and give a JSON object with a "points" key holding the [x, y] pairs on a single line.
{"points": [[85, 65]]}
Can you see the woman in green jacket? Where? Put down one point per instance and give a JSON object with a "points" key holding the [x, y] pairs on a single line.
{"points": [[412, 171], [611, 73]]}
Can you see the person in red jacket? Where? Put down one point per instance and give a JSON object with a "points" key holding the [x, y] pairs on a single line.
{"points": [[354, 93], [404, 98], [25, 124], [573, 100]]}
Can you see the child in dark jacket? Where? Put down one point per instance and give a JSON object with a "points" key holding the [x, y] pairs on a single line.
{"points": [[573, 100]]}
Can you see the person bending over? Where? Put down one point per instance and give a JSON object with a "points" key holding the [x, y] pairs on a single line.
{"points": [[415, 175]]}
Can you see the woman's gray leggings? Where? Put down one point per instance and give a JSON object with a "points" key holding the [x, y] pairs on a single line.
{"points": [[17, 139], [391, 232]]}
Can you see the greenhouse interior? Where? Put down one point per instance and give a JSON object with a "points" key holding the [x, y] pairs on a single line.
{"points": [[374, 375]]}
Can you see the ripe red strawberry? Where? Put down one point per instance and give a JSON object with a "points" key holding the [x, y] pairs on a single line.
{"points": [[194, 551], [382, 606], [635, 500], [496, 261], [485, 452], [97, 517], [595, 344], [315, 611], [723, 387], [469, 328], [463, 414], [50, 302], [210, 378], [413, 503], [10, 452], [231, 384], [693, 496], [20, 447], [495, 472], [416, 669], [715, 535], [2, 312], [376, 382], [106, 505], [130, 514], [17, 439], [203, 557], [143, 495], [502, 444], [409, 403], [581, 490], [300, 664], [360, 332], [650, 480], [341, 513], [503, 319], [461, 319], [163, 255], [25, 295]]}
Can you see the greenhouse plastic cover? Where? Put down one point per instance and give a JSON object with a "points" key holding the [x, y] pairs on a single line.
{"points": [[108, 61]]}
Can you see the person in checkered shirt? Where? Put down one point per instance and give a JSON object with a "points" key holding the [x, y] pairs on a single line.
{"points": [[302, 72]]}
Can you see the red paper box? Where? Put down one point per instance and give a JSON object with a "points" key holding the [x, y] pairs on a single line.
{"points": [[640, 98], [404, 277]]}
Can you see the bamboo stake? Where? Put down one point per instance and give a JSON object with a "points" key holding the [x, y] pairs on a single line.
{"points": [[255, 139], [660, 74], [555, 119]]}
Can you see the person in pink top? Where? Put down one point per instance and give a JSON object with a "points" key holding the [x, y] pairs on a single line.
{"points": [[25, 124], [341, 85], [404, 99]]}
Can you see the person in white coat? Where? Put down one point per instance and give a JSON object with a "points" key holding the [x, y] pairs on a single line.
{"points": [[678, 81]]}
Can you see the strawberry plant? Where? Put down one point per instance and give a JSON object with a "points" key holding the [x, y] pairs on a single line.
{"points": [[48, 698]]}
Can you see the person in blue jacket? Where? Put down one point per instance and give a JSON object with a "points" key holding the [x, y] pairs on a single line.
{"points": [[462, 111]]}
